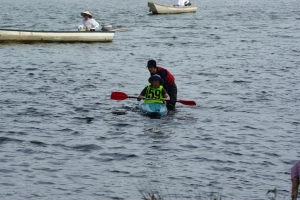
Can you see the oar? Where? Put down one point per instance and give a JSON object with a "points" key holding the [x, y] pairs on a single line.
{"points": [[122, 96], [187, 102], [119, 29]]}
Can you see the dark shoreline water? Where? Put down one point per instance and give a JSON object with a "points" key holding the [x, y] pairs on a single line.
{"points": [[62, 137]]}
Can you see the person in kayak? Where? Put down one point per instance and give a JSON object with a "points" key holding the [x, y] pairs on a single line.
{"points": [[295, 173], [88, 23], [168, 82], [154, 91]]}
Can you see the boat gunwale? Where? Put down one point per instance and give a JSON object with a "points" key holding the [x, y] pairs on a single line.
{"points": [[49, 41]]}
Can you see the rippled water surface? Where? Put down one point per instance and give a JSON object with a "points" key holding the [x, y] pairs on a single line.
{"points": [[62, 137]]}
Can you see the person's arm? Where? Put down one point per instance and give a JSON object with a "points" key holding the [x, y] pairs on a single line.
{"points": [[163, 75], [165, 95], [142, 95], [181, 2], [295, 185], [95, 24], [81, 26], [84, 21]]}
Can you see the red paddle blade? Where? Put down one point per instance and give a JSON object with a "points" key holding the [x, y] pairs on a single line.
{"points": [[118, 96], [187, 102]]}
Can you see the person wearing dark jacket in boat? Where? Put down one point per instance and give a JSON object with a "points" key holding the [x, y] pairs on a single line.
{"points": [[168, 82]]}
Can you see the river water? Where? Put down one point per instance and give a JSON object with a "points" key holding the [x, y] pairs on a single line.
{"points": [[61, 137]]}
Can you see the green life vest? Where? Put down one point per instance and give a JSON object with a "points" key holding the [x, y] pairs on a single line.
{"points": [[154, 93]]}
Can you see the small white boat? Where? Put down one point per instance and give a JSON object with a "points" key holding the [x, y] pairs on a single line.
{"points": [[55, 36], [158, 8]]}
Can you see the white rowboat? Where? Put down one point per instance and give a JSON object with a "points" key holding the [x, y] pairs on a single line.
{"points": [[55, 36], [158, 8]]}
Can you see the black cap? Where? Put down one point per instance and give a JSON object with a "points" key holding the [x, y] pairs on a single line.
{"points": [[151, 63]]}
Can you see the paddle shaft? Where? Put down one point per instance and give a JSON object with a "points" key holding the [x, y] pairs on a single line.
{"points": [[122, 96], [119, 29], [131, 97], [186, 102]]}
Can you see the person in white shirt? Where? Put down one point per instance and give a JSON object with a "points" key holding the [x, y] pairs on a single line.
{"points": [[88, 23], [187, 3], [183, 3]]}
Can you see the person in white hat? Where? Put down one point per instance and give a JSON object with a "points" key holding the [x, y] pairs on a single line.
{"points": [[88, 23]]}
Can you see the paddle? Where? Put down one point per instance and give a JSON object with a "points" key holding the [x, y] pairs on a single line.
{"points": [[122, 96], [119, 29]]}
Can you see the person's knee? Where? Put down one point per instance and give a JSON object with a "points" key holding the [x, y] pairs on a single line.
{"points": [[171, 105]]}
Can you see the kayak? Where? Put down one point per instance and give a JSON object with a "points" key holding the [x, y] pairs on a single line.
{"points": [[153, 109]]}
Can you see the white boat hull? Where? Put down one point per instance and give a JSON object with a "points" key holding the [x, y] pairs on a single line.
{"points": [[54, 36], [158, 8]]}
